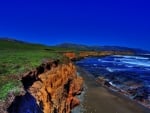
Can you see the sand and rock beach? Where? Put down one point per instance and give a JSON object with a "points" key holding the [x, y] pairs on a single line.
{"points": [[98, 99]]}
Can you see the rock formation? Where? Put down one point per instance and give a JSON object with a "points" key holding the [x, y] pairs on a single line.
{"points": [[50, 88], [83, 54], [55, 90]]}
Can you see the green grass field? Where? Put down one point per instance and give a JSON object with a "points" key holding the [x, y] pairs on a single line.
{"points": [[17, 58]]}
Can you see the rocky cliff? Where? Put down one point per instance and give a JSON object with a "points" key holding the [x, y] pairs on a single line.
{"points": [[56, 89], [51, 88], [83, 54]]}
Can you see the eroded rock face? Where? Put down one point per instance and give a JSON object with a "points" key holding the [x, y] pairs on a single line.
{"points": [[83, 54], [70, 55], [55, 90]]}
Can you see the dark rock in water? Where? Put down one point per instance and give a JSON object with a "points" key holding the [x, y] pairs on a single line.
{"points": [[107, 84], [101, 80], [24, 104], [141, 94]]}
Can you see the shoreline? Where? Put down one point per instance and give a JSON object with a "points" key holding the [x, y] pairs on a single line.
{"points": [[121, 93], [99, 99]]}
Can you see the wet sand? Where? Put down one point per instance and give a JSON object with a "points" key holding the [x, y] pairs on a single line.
{"points": [[98, 99]]}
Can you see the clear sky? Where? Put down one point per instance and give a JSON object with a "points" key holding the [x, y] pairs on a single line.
{"points": [[92, 22]]}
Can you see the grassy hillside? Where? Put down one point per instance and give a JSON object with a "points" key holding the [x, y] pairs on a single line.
{"points": [[12, 44], [9, 44], [17, 57]]}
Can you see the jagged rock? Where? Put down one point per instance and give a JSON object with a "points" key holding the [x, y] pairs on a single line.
{"points": [[101, 80], [50, 88], [55, 90], [82, 54]]}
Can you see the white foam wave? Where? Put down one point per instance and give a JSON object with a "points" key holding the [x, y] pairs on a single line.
{"points": [[137, 63], [115, 69], [105, 61], [94, 64], [99, 60], [131, 61], [112, 84], [130, 66], [109, 69], [132, 57]]}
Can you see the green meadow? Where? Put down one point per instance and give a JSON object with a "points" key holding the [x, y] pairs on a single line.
{"points": [[17, 58]]}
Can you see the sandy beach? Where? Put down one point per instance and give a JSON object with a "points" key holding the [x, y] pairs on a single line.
{"points": [[98, 99]]}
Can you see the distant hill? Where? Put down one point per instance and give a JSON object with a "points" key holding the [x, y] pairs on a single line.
{"points": [[11, 40], [118, 48], [74, 46], [101, 48], [9, 43], [13, 44]]}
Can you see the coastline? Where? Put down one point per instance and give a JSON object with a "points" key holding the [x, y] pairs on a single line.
{"points": [[98, 99]]}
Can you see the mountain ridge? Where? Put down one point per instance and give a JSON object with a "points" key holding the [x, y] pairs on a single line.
{"points": [[73, 46], [103, 48]]}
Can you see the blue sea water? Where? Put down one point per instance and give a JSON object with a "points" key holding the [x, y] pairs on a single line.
{"points": [[127, 73]]}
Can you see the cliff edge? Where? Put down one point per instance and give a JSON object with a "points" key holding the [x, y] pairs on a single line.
{"points": [[55, 91], [51, 88]]}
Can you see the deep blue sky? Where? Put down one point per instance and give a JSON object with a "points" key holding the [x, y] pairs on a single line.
{"points": [[93, 22]]}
